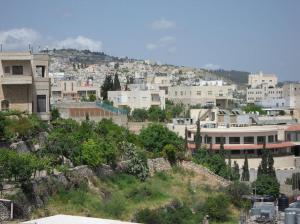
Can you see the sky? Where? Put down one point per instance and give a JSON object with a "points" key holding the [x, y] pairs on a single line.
{"points": [[248, 35]]}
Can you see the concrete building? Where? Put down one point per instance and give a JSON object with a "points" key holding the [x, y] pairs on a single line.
{"points": [[282, 140], [24, 83], [266, 95], [73, 90], [95, 111], [205, 95], [291, 94], [255, 80], [138, 99]]}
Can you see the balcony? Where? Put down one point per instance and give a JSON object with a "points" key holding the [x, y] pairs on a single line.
{"points": [[16, 80]]}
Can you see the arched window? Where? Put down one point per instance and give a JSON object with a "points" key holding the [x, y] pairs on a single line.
{"points": [[4, 105]]}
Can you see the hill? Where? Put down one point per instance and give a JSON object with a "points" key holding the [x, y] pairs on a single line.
{"points": [[86, 57]]}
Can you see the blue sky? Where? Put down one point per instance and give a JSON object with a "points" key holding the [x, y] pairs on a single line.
{"points": [[249, 35]]}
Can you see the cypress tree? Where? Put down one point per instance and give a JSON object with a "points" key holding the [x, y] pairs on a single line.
{"points": [[107, 86], [245, 173], [186, 139], [198, 136], [236, 171], [222, 149], [264, 160], [117, 85], [271, 170]]}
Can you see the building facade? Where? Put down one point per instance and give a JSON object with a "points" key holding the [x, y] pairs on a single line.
{"points": [[73, 90], [137, 99], [255, 80], [291, 93], [216, 95], [24, 83], [266, 94]]}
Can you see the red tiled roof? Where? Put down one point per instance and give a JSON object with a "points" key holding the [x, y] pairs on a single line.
{"points": [[248, 146], [293, 127]]}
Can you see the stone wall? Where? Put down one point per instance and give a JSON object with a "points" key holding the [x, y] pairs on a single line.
{"points": [[38, 191]]}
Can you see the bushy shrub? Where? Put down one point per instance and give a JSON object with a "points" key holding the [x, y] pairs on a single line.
{"points": [[136, 161], [217, 207], [156, 136], [236, 190]]}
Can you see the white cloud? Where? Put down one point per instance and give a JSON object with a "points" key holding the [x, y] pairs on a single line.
{"points": [[80, 43], [172, 50], [211, 66], [163, 24], [151, 46], [166, 42], [18, 38]]}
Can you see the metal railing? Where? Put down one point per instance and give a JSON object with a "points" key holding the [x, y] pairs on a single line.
{"points": [[111, 108]]}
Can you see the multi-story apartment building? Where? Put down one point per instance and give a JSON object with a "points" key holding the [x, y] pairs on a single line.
{"points": [[217, 95], [255, 80], [263, 90], [266, 94], [291, 94], [138, 99], [24, 83], [73, 90]]}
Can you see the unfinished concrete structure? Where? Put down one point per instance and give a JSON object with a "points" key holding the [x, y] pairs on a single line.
{"points": [[24, 83]]}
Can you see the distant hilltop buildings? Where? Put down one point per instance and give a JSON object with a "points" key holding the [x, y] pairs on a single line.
{"points": [[263, 90]]}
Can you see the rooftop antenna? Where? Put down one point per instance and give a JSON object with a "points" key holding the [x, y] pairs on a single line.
{"points": [[0, 47], [29, 48]]}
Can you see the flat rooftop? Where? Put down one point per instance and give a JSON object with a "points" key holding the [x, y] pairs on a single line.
{"points": [[69, 219]]}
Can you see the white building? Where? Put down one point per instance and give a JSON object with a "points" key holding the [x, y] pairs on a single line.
{"points": [[266, 93], [138, 99], [205, 95], [255, 80], [291, 94]]}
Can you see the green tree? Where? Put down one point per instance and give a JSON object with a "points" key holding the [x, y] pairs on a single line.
{"points": [[107, 86], [236, 171], [55, 114], [170, 153], [217, 207], [139, 115], [92, 153], [245, 173], [266, 185], [155, 114], [254, 108], [156, 136], [116, 85], [198, 136], [92, 97]]}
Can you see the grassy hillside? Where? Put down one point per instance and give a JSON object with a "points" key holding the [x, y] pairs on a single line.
{"points": [[122, 196]]}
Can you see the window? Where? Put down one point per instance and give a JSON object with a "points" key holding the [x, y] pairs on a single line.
{"points": [[17, 70], [209, 93], [249, 140], [41, 103], [208, 140], [220, 139], [270, 138], [199, 93], [260, 139], [4, 105], [234, 140], [7, 70], [40, 71]]}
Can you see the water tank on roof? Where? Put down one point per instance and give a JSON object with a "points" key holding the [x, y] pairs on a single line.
{"points": [[283, 202], [290, 218]]}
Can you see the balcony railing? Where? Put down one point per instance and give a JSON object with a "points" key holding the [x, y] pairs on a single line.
{"points": [[16, 80]]}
